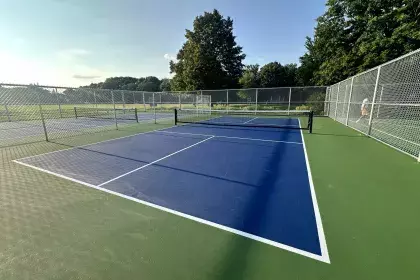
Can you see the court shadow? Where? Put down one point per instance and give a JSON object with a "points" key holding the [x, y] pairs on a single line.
{"points": [[234, 264], [173, 168]]}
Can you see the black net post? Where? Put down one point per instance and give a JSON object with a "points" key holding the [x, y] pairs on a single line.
{"points": [[137, 116], [176, 116], [75, 112], [311, 121]]}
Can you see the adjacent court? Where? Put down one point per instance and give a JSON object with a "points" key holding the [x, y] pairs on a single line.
{"points": [[12, 130], [251, 181]]}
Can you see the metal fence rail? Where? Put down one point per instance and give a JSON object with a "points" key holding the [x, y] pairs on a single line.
{"points": [[284, 98], [30, 113], [390, 95]]}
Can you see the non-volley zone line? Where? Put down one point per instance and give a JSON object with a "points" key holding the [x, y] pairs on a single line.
{"points": [[229, 137]]}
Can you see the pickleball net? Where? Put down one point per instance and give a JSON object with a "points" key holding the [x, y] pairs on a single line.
{"points": [[106, 113], [285, 119]]}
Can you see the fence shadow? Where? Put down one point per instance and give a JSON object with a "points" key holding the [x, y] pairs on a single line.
{"points": [[339, 135]]}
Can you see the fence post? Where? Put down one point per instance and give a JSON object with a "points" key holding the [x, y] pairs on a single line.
{"points": [[348, 107], [380, 101], [374, 99], [179, 97], [196, 103], [144, 102], [115, 111], [134, 99], [154, 107], [256, 101], [227, 100], [336, 102], [94, 97], [327, 102], [290, 100], [7, 113], [58, 102], [123, 100], [344, 102]]}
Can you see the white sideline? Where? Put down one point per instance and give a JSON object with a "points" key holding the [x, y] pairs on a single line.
{"points": [[323, 246], [250, 120], [153, 162], [321, 234], [190, 217], [231, 137]]}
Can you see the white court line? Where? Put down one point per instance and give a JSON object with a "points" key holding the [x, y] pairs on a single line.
{"points": [[132, 135], [250, 120], [322, 241], [324, 252], [190, 217], [153, 162], [55, 174], [232, 137]]}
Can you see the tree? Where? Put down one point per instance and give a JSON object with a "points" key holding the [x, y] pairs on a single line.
{"points": [[353, 36], [118, 82], [309, 63], [210, 58], [165, 85], [250, 77], [290, 74], [150, 83], [272, 75]]}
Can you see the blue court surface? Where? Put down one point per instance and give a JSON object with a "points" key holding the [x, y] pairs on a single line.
{"points": [[253, 182]]}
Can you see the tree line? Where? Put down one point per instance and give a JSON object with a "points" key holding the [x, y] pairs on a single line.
{"points": [[151, 83], [350, 37]]}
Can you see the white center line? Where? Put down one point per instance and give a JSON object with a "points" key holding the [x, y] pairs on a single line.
{"points": [[153, 162]]}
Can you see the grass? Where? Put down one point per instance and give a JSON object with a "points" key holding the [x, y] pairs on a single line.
{"points": [[56, 229]]}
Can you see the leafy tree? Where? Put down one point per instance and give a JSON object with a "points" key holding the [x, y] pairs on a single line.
{"points": [[272, 75], [290, 74], [165, 85], [150, 83], [353, 36], [118, 82], [250, 77], [210, 58], [309, 63]]}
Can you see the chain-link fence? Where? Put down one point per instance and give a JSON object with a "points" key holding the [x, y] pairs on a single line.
{"points": [[30, 113], [383, 103], [285, 98]]}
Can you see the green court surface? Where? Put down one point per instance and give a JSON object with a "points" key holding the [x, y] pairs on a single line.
{"points": [[368, 195]]}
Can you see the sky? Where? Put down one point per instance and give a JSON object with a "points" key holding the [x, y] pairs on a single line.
{"points": [[77, 42]]}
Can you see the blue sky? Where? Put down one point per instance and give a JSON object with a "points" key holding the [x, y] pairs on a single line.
{"points": [[76, 42]]}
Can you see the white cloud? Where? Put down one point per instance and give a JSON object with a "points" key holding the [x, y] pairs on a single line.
{"points": [[72, 54], [85, 77], [168, 56]]}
